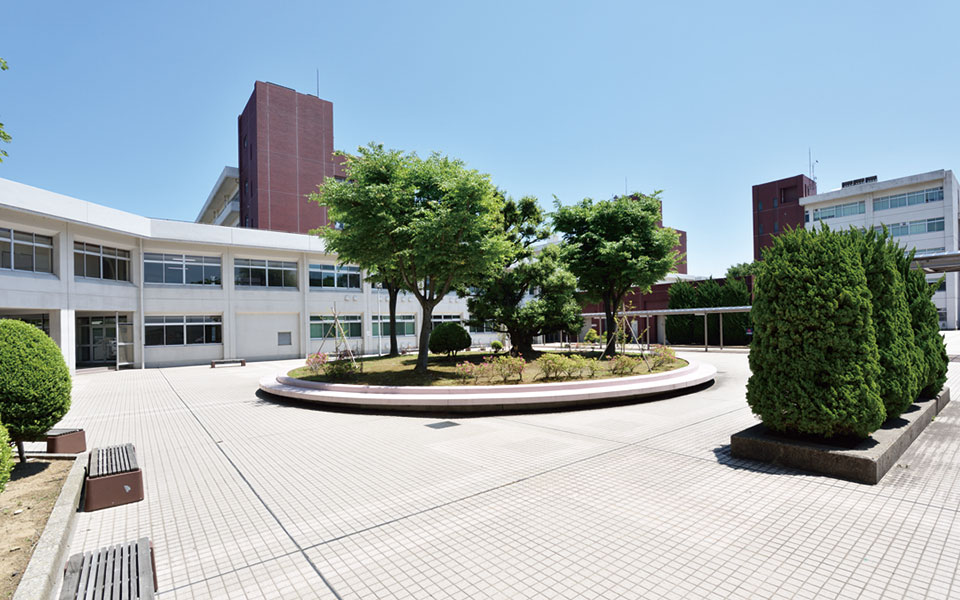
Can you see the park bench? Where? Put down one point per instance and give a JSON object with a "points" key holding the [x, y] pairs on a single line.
{"points": [[113, 478], [66, 441], [124, 571], [228, 361]]}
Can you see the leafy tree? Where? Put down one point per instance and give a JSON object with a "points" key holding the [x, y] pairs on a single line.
{"points": [[925, 323], [34, 382], [433, 221], [899, 357], [449, 338], [4, 136], [613, 246], [680, 328], [735, 293], [504, 299], [813, 358], [374, 177], [741, 270]]}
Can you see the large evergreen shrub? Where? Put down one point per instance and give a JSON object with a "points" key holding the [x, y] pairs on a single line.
{"points": [[679, 328], [814, 352], [449, 338], [6, 457], [926, 328], [34, 381], [899, 359]]}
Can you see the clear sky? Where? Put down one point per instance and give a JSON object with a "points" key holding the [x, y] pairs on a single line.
{"points": [[134, 105]]}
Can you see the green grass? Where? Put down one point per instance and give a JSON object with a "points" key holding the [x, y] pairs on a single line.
{"points": [[398, 371]]}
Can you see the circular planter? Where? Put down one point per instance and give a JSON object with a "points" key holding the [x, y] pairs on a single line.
{"points": [[489, 398]]}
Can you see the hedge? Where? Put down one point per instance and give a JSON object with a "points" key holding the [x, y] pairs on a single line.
{"points": [[926, 328], [814, 357], [34, 381], [688, 329], [6, 457]]}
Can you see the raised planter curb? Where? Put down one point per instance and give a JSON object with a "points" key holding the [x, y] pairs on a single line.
{"points": [[867, 462], [490, 398], [44, 572]]}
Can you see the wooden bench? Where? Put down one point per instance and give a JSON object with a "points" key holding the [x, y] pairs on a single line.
{"points": [[113, 478], [228, 361], [66, 441], [125, 571]]}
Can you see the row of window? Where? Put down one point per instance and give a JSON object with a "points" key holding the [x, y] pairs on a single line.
{"points": [[914, 227], [840, 210], [181, 269], [926, 251], [22, 251], [908, 199], [178, 331], [100, 262]]}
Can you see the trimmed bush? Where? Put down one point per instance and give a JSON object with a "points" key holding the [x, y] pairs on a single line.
{"points": [[34, 381], [899, 358], [6, 457], [449, 338], [592, 337], [814, 352], [926, 328], [496, 345]]}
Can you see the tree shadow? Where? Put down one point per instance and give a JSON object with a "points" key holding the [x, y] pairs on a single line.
{"points": [[27, 469]]}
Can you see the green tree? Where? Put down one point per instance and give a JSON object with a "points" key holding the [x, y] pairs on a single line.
{"points": [[613, 246], [433, 221], [899, 358], [504, 299], [735, 293], [926, 327], [389, 279], [34, 382], [4, 136], [680, 328], [813, 358], [741, 270]]}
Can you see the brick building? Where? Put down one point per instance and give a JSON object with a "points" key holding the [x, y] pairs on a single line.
{"points": [[776, 206]]}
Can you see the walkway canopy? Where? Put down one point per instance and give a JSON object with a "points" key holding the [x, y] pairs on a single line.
{"points": [[697, 312], [945, 262]]}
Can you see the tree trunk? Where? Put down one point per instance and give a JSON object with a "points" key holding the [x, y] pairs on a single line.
{"points": [[611, 348], [425, 328], [20, 451], [394, 292], [520, 343]]}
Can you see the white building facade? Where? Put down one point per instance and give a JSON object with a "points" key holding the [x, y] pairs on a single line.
{"points": [[920, 211], [117, 289]]}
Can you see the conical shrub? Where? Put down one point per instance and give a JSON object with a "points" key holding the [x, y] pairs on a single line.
{"points": [[814, 352], [925, 323]]}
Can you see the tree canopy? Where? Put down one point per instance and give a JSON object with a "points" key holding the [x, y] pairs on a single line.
{"points": [[433, 221], [615, 245]]}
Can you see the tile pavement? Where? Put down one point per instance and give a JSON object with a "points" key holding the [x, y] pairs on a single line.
{"points": [[251, 498]]}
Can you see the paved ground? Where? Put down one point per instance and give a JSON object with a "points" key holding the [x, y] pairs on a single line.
{"points": [[250, 498]]}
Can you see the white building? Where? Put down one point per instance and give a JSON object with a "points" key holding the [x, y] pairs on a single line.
{"points": [[921, 212], [114, 288]]}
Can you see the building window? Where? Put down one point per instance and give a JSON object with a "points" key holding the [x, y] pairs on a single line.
{"points": [[939, 284], [914, 227], [41, 321], [776, 226], [483, 328], [322, 327], [265, 273], [437, 319], [760, 228], [759, 204], [284, 338], [335, 277], [840, 210], [22, 251], [406, 325], [100, 262], [806, 216], [942, 316], [926, 251], [909, 199], [179, 331], [774, 202], [180, 269]]}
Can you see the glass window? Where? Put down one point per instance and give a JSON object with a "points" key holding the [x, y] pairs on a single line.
{"points": [[341, 277], [322, 326], [101, 262], [24, 251], [178, 330], [262, 273], [406, 325], [908, 199]]}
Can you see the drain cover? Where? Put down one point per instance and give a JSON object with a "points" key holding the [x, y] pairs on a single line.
{"points": [[442, 425]]}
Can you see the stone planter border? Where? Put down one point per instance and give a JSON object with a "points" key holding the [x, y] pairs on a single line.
{"points": [[490, 398], [44, 572], [867, 462]]}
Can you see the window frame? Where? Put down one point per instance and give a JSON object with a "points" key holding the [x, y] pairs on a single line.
{"points": [[212, 327]]}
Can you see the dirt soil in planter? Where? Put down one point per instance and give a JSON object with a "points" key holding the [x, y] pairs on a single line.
{"points": [[25, 506]]}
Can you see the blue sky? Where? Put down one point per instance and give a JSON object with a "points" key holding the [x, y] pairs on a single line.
{"points": [[134, 105]]}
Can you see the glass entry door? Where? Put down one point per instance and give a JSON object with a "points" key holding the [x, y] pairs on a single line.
{"points": [[97, 341], [124, 347]]}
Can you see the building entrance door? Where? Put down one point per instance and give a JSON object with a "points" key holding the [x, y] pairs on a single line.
{"points": [[124, 342], [97, 341]]}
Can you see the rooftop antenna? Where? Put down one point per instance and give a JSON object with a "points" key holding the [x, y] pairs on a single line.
{"points": [[813, 164]]}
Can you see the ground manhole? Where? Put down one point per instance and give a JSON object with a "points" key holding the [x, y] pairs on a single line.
{"points": [[442, 425]]}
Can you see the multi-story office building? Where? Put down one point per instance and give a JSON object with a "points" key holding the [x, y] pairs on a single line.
{"points": [[114, 288], [776, 206], [920, 211]]}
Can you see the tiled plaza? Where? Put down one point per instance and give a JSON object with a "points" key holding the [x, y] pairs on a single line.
{"points": [[247, 497]]}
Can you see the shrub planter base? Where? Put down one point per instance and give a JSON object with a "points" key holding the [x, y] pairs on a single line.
{"points": [[863, 461]]}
